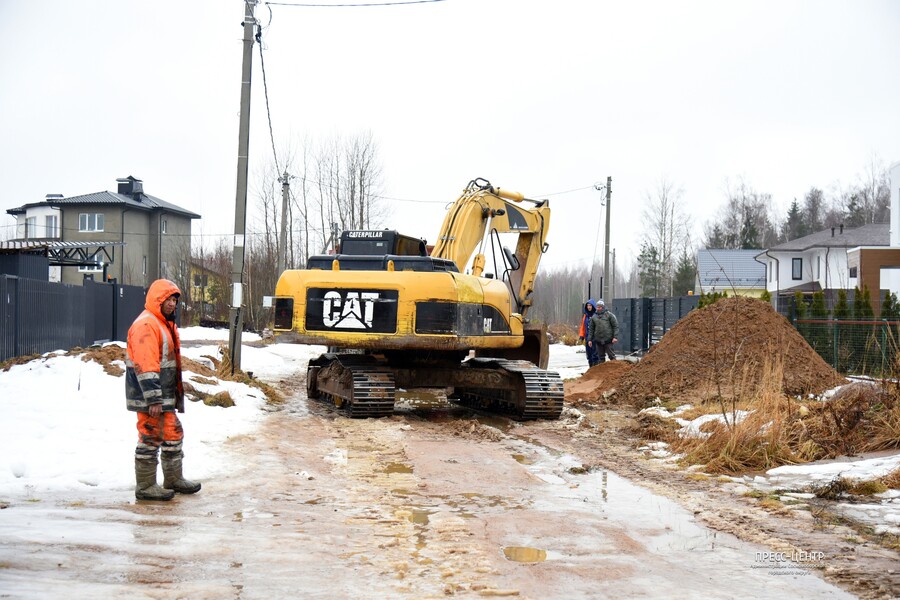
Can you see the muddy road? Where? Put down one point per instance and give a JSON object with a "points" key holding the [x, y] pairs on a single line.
{"points": [[432, 502]]}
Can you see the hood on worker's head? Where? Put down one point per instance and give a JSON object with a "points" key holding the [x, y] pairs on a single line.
{"points": [[592, 302], [159, 292]]}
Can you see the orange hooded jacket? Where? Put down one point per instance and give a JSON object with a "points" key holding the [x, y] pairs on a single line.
{"points": [[153, 356]]}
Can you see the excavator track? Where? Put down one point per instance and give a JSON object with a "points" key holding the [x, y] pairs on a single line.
{"points": [[361, 386], [365, 386], [534, 393]]}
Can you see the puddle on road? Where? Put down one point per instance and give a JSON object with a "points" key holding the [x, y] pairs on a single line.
{"points": [[419, 516], [522, 459], [524, 554], [395, 467]]}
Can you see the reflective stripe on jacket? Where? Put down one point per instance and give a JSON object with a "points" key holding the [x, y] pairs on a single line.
{"points": [[153, 356]]}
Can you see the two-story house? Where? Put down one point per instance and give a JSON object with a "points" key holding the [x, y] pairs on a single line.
{"points": [[823, 261], [148, 238]]}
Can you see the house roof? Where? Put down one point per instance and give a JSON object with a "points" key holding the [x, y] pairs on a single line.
{"points": [[730, 268], [147, 202], [875, 234]]}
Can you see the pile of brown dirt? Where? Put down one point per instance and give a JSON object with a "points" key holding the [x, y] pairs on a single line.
{"points": [[722, 349], [595, 382]]}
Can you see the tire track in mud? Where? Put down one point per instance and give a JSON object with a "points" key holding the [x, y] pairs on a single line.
{"points": [[422, 544], [866, 570]]}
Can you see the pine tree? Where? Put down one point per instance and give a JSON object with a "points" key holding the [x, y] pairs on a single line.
{"points": [[842, 308], [685, 275], [818, 310], [890, 309], [649, 271], [793, 227], [799, 306]]}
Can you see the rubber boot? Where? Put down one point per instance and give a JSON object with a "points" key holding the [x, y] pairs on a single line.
{"points": [[147, 488], [172, 477]]}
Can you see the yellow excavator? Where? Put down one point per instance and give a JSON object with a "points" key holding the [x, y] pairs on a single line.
{"points": [[395, 316]]}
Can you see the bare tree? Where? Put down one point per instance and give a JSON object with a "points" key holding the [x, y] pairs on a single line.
{"points": [[745, 221], [667, 229]]}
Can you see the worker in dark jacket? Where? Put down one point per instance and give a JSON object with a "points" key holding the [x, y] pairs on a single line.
{"points": [[154, 390], [603, 332], [588, 311]]}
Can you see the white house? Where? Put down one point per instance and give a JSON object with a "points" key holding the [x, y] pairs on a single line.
{"points": [[822, 260]]}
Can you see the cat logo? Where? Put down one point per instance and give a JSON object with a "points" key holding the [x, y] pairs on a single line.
{"points": [[356, 310]]}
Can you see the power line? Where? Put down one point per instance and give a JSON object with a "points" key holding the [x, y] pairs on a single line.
{"points": [[567, 191], [363, 4], [262, 64]]}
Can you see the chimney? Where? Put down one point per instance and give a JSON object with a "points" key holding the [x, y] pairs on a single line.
{"points": [[842, 229], [129, 186]]}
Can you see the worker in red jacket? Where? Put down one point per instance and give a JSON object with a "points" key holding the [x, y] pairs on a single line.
{"points": [[153, 389]]}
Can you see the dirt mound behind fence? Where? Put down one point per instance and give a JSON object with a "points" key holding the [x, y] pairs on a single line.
{"points": [[722, 348]]}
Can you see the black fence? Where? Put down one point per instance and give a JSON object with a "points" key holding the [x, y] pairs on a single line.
{"points": [[40, 316], [643, 321]]}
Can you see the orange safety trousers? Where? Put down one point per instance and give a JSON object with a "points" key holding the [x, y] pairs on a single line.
{"points": [[149, 428]]}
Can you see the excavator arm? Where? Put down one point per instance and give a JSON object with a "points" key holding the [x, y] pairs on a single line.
{"points": [[483, 209]]}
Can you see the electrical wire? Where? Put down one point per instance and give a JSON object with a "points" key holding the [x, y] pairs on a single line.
{"points": [[363, 4], [594, 256], [567, 191], [262, 63]]}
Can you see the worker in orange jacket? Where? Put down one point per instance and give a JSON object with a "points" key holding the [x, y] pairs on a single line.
{"points": [[154, 390], [588, 311]]}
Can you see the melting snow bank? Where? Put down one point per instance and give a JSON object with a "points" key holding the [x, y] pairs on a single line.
{"points": [[795, 483], [65, 425], [882, 512]]}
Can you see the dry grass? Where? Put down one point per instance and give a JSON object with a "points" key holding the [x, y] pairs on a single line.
{"points": [[562, 333], [761, 441], [892, 479], [780, 430]]}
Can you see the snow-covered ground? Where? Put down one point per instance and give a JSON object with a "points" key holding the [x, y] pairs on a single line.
{"points": [[569, 361], [882, 513], [65, 425]]}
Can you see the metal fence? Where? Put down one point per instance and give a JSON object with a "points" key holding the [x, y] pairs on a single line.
{"points": [[40, 316], [854, 347], [643, 321]]}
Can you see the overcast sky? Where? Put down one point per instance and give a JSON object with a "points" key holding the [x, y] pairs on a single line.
{"points": [[541, 97]]}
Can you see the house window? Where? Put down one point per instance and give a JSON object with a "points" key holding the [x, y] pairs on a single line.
{"points": [[797, 268], [165, 226], [853, 272], [51, 224], [201, 280], [30, 227], [144, 266], [90, 268], [90, 222]]}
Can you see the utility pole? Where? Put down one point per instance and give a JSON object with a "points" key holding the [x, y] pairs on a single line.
{"points": [[282, 241], [240, 205], [606, 279]]}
